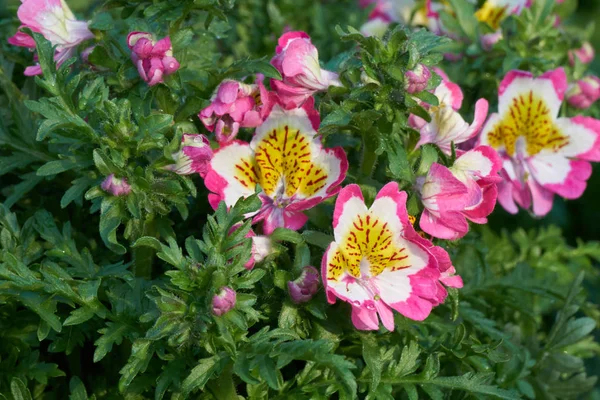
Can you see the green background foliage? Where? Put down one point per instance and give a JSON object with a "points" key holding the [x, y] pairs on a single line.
{"points": [[104, 297]]}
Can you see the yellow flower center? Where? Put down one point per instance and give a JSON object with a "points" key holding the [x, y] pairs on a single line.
{"points": [[283, 164], [529, 118], [491, 14], [367, 250]]}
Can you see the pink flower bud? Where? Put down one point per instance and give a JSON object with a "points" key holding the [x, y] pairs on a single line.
{"points": [[236, 105], [585, 54], [143, 48], [193, 157], [223, 301], [116, 186], [298, 61], [170, 64], [584, 92], [304, 288], [489, 40], [417, 79], [153, 59]]}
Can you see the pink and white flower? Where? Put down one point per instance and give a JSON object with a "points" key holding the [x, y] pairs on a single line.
{"points": [[236, 105], [447, 126], [193, 157], [585, 92], [542, 154], [378, 263], [153, 59], [387, 11], [465, 191], [297, 59], [585, 54], [56, 22], [287, 160]]}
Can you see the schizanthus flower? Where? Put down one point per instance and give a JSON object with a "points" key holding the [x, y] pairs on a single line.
{"points": [[304, 288], [585, 92], [297, 59], [153, 59], [585, 54], [465, 191], [287, 160], [493, 12], [223, 301], [262, 247], [115, 186], [193, 157], [378, 263], [542, 154], [417, 79], [447, 126], [236, 105], [56, 22]]}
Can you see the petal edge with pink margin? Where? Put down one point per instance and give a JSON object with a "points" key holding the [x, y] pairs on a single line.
{"points": [[347, 193], [575, 183], [592, 125], [216, 183], [509, 79], [559, 81]]}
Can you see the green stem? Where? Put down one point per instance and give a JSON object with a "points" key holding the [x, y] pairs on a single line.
{"points": [[369, 157], [224, 388], [144, 256]]}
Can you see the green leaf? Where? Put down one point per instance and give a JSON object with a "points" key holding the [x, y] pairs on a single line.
{"points": [[574, 331], [475, 383], [465, 14], [29, 181], [319, 239], [79, 316], [45, 53], [142, 351], [77, 388], [372, 355], [56, 167], [148, 241], [429, 155], [110, 220], [18, 390], [287, 235], [75, 192], [262, 66], [203, 372], [111, 335]]}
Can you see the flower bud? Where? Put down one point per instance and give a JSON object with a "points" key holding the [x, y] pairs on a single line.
{"points": [[417, 79], [223, 301], [585, 54], [153, 59], [584, 92], [489, 40], [116, 186], [304, 288], [194, 156]]}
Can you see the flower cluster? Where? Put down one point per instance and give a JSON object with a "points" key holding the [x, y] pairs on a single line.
{"points": [[56, 22], [520, 156]]}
